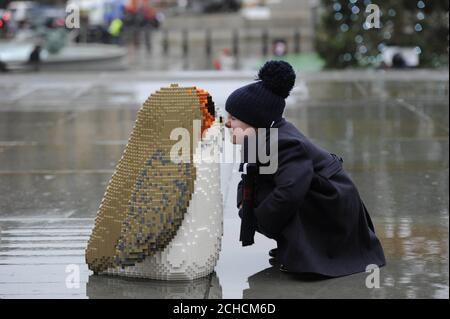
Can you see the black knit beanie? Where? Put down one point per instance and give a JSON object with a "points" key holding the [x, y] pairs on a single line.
{"points": [[263, 102]]}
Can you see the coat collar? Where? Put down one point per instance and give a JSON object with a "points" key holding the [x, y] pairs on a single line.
{"points": [[279, 123]]}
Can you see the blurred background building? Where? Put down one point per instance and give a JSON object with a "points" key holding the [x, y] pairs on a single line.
{"points": [[226, 34]]}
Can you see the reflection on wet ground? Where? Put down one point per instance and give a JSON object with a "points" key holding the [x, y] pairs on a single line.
{"points": [[126, 288], [60, 141]]}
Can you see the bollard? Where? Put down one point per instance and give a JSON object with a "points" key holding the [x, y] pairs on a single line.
{"points": [[235, 43], [208, 43], [185, 48], [185, 43], [235, 47], [297, 41], [165, 42], [265, 43]]}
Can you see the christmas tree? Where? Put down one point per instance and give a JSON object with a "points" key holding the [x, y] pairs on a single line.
{"points": [[349, 36]]}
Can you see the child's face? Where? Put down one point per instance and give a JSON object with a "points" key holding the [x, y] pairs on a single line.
{"points": [[238, 129]]}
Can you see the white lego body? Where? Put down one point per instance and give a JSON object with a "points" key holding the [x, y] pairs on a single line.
{"points": [[194, 251]]}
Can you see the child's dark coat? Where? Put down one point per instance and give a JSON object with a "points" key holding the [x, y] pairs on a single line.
{"points": [[313, 210]]}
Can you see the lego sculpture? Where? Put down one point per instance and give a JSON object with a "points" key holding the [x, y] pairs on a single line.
{"points": [[160, 218]]}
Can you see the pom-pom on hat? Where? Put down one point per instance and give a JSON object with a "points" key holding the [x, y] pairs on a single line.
{"points": [[261, 103]]}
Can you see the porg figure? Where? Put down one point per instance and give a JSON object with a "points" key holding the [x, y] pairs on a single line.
{"points": [[162, 218]]}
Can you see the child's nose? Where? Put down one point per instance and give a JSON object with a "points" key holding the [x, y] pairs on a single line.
{"points": [[228, 124]]}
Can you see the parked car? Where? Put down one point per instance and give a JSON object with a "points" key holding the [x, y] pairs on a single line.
{"points": [[6, 23], [2, 22], [22, 10], [50, 17], [210, 6]]}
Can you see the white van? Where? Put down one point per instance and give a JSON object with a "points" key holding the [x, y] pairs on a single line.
{"points": [[22, 10]]}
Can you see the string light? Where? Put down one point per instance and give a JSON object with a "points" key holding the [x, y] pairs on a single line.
{"points": [[420, 4]]}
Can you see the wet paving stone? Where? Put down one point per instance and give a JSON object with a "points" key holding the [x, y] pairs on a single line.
{"points": [[60, 141]]}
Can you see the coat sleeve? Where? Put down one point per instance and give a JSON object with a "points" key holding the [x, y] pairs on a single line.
{"points": [[292, 181], [239, 193]]}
